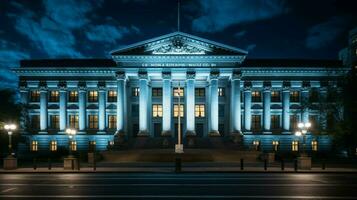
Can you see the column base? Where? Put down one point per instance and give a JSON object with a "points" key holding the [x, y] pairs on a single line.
{"points": [[214, 133], [237, 137], [81, 132], [101, 132], [267, 132], [143, 133], [286, 132], [190, 133], [166, 133], [42, 132], [248, 132]]}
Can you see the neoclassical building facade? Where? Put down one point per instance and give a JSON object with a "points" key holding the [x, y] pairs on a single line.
{"points": [[141, 90]]}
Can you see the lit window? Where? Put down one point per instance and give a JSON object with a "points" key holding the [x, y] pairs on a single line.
{"points": [[176, 110], [275, 145], [200, 110], [275, 121], [275, 96], [200, 92], [53, 145], [112, 96], [314, 145], [156, 92], [256, 96], [294, 96], [34, 145], [256, 122], [35, 122], [294, 119], [256, 144], [157, 110], [54, 96], [294, 146], [93, 121], [73, 121], [176, 92], [35, 96], [221, 92], [73, 145], [54, 121], [135, 92], [112, 121], [93, 96], [73, 96]]}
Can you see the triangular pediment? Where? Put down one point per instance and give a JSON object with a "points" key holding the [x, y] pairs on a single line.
{"points": [[178, 43]]}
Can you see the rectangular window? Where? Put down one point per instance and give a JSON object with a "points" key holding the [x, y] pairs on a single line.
{"points": [[135, 92], [54, 121], [275, 96], [53, 145], [199, 110], [294, 146], [314, 145], [54, 96], [200, 92], [112, 96], [93, 96], [294, 96], [135, 110], [157, 110], [275, 121], [35, 96], [34, 145], [157, 92], [256, 96], [256, 122], [73, 145], [176, 110], [112, 121], [275, 144], [73, 121], [294, 120], [221, 92], [73, 96], [314, 95], [93, 121], [177, 92], [35, 122]]}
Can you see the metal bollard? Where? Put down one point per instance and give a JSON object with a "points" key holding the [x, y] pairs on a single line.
{"points": [[295, 165], [34, 164], [265, 164], [49, 164], [282, 165], [241, 164], [178, 165]]}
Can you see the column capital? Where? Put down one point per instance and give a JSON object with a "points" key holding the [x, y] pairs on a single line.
{"points": [[82, 86], [214, 75], [120, 75], [166, 75], [267, 88], [62, 85], [247, 88], [143, 75], [101, 86], [23, 86], [43, 86], [191, 75], [236, 75], [286, 89]]}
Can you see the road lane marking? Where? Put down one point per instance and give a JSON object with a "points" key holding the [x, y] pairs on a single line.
{"points": [[8, 190]]}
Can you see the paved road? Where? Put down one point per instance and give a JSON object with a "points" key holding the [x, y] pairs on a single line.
{"points": [[179, 186]]}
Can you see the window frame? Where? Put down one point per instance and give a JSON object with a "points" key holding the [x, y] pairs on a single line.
{"points": [[200, 110]]}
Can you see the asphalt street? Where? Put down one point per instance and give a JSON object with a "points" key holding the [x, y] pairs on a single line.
{"points": [[179, 186]]}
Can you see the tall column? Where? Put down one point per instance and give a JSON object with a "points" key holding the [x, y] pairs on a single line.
{"points": [[43, 108], [101, 107], [286, 109], [266, 111], [304, 104], [143, 104], [323, 116], [247, 108], [166, 104], [82, 107], [213, 88], [63, 106], [236, 110], [24, 95], [120, 102], [190, 104]]}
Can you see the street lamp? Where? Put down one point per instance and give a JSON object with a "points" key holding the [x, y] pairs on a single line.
{"points": [[10, 128], [71, 133], [179, 145], [302, 131]]}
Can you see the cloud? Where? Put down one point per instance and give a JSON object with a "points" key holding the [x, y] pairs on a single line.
{"points": [[251, 47], [323, 34], [240, 34], [217, 15], [107, 33]]}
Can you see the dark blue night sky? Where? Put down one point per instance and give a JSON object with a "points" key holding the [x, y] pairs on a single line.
{"points": [[34, 29]]}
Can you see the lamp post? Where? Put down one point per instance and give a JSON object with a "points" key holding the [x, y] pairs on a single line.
{"points": [[71, 133], [179, 145], [302, 131], [10, 128]]}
